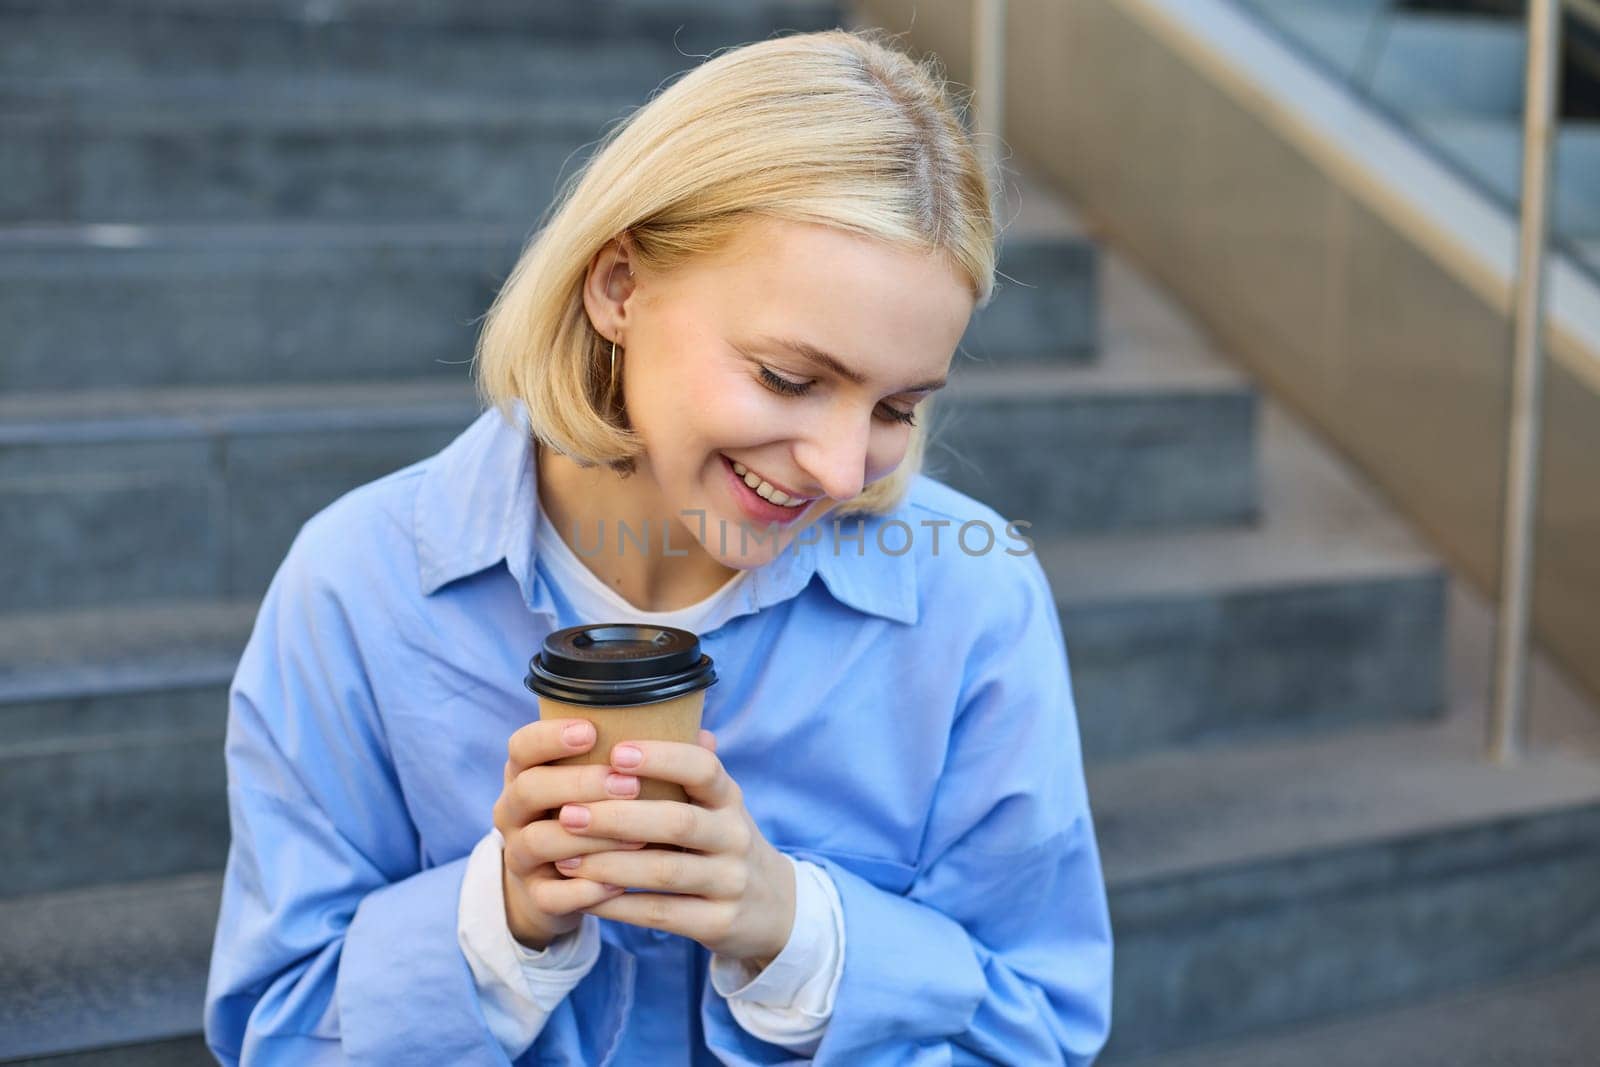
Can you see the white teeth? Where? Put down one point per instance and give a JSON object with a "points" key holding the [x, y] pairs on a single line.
{"points": [[764, 489]]}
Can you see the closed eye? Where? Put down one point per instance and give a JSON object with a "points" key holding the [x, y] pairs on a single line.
{"points": [[783, 385], [779, 384]]}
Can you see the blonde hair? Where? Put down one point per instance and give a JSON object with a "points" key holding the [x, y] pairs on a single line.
{"points": [[835, 127]]}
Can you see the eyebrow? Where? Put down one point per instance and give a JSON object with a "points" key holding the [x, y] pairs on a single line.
{"points": [[837, 366]]}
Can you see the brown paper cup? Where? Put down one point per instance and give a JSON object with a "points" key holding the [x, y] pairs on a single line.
{"points": [[633, 681], [677, 719]]}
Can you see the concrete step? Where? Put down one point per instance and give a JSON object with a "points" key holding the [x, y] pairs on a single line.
{"points": [[117, 965], [300, 302], [117, 672], [109, 807], [1492, 151], [614, 46], [112, 498], [1328, 612], [198, 305], [1278, 885], [1048, 302], [111, 733], [116, 497], [1412, 62], [622, 18], [188, 1051], [1137, 442], [194, 150], [1548, 1021]]}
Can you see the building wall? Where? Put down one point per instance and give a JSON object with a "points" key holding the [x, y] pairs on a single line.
{"points": [[1398, 362]]}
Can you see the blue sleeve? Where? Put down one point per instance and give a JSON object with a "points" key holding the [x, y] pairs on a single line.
{"points": [[336, 943], [1000, 949]]}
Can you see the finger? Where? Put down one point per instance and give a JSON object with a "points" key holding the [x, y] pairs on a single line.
{"points": [[567, 895], [658, 870], [697, 769], [543, 843], [690, 916], [545, 740], [538, 790], [664, 822], [708, 740]]}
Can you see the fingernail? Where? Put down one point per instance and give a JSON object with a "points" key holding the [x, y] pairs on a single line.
{"points": [[578, 733], [575, 815], [622, 785], [627, 756], [569, 865]]}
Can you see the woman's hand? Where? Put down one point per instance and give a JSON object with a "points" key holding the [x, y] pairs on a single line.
{"points": [[737, 890], [541, 904]]}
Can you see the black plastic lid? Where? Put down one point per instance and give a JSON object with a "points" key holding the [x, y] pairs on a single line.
{"points": [[616, 663]]}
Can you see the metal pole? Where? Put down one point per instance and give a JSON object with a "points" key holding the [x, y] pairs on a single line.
{"points": [[988, 82], [1506, 720]]}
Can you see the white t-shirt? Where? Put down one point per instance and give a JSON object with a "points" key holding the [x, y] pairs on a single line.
{"points": [[596, 601]]}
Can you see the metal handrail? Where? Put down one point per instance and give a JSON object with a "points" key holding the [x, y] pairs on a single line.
{"points": [[988, 82], [1506, 719]]}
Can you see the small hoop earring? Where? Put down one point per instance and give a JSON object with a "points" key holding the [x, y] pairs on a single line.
{"points": [[613, 389]]}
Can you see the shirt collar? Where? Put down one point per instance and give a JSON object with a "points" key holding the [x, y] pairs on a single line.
{"points": [[870, 579], [478, 504]]}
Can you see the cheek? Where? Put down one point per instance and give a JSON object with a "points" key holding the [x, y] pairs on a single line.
{"points": [[687, 417], [671, 402], [730, 411], [886, 451]]}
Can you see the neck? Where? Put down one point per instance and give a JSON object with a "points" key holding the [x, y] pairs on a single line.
{"points": [[599, 505]]}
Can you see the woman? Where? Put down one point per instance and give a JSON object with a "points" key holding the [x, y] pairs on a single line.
{"points": [[724, 343]]}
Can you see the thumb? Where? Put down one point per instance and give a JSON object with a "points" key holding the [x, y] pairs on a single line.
{"points": [[708, 740]]}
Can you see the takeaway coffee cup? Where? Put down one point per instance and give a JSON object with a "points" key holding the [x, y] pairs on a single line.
{"points": [[634, 682]]}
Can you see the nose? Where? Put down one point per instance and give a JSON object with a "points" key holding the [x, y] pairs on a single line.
{"points": [[834, 454]]}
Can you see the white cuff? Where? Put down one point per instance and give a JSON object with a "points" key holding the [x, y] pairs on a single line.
{"points": [[518, 986], [790, 1002]]}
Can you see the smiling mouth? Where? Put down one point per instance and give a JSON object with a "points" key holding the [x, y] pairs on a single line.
{"points": [[766, 490]]}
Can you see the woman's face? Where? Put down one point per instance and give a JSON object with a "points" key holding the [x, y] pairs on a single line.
{"points": [[708, 383]]}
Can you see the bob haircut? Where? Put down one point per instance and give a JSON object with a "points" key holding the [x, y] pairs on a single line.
{"points": [[835, 128]]}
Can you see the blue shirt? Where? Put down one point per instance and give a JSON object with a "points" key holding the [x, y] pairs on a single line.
{"points": [[904, 720]]}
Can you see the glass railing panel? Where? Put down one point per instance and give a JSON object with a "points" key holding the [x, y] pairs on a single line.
{"points": [[1453, 75]]}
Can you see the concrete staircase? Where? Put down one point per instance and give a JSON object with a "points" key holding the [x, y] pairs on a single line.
{"points": [[242, 249], [1456, 79]]}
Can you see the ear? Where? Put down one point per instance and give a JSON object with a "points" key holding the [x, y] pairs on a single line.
{"points": [[606, 288]]}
